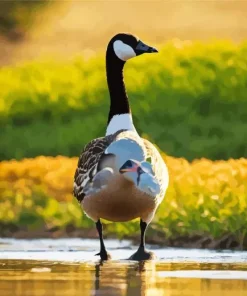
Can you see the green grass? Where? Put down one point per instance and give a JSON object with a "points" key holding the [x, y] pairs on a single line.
{"points": [[206, 201], [190, 99]]}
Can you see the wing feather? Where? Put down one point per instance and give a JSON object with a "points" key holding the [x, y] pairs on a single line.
{"points": [[90, 159], [159, 166], [88, 163]]}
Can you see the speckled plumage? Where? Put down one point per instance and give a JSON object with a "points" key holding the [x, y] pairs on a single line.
{"points": [[89, 167], [114, 180], [88, 163]]}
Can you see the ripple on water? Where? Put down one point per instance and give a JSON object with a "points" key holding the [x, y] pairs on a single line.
{"points": [[65, 268], [33, 277]]}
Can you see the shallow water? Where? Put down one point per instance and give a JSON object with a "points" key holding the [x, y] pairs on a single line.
{"points": [[68, 267]]}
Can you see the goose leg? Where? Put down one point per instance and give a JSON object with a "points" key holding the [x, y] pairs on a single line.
{"points": [[103, 254], [142, 253]]}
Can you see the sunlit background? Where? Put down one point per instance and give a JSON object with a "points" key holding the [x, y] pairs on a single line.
{"points": [[33, 29], [190, 100]]}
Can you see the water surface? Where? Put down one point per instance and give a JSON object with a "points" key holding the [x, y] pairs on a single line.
{"points": [[69, 267]]}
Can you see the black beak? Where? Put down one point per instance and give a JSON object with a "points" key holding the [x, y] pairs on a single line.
{"points": [[144, 48]]}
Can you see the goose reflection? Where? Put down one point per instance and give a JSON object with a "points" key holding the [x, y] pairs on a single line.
{"points": [[125, 278]]}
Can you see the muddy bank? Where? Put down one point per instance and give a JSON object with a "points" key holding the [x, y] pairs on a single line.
{"points": [[228, 241]]}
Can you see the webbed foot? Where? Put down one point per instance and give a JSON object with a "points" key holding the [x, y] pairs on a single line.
{"points": [[142, 254], [104, 255]]}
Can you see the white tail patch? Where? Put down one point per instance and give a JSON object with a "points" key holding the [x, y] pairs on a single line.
{"points": [[118, 122]]}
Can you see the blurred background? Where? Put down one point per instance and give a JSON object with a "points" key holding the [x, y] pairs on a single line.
{"points": [[190, 100], [30, 29]]}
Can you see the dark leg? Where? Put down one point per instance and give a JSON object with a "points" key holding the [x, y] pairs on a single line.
{"points": [[143, 227], [142, 253], [103, 254]]}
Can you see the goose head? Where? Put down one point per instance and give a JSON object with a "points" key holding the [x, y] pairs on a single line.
{"points": [[141, 176], [126, 46]]}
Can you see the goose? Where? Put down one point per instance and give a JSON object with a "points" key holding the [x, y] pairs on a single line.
{"points": [[121, 176]]}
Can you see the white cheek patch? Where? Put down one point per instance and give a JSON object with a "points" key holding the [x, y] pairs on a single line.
{"points": [[123, 51]]}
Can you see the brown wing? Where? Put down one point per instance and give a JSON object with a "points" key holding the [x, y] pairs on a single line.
{"points": [[88, 163], [159, 166]]}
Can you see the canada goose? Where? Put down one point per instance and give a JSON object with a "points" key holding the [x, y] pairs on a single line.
{"points": [[114, 180]]}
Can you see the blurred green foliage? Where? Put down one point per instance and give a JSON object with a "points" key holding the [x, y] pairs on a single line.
{"points": [[205, 198], [190, 99]]}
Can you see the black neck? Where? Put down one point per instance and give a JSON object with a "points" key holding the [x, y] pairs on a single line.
{"points": [[114, 70]]}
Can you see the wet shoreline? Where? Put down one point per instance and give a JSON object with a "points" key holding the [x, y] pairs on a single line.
{"points": [[69, 267], [194, 241], [79, 249]]}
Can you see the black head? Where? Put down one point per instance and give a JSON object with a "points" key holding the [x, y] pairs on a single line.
{"points": [[126, 46]]}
